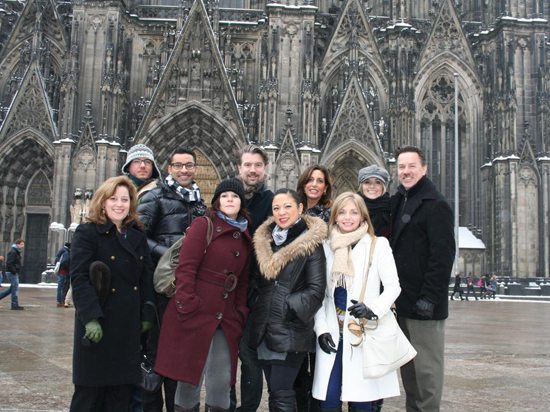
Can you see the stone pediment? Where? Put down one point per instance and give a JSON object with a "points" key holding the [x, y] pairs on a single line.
{"points": [[30, 108], [287, 145], [194, 76], [353, 123], [35, 14], [88, 134], [354, 35], [446, 37]]}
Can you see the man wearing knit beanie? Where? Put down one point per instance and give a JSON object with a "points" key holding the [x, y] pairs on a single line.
{"points": [[141, 168]]}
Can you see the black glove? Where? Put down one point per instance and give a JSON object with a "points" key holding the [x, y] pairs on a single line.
{"points": [[424, 309], [326, 343], [360, 310], [100, 278]]}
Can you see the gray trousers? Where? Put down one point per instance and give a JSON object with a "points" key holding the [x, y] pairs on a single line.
{"points": [[423, 376], [216, 376]]}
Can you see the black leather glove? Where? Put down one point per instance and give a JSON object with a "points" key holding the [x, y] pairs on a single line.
{"points": [[424, 309], [360, 310], [326, 343]]}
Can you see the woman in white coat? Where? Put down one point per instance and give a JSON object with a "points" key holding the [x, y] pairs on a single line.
{"points": [[339, 365]]}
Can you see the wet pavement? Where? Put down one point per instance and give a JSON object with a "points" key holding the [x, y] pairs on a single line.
{"points": [[497, 356]]}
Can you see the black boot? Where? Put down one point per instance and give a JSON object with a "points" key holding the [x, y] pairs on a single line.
{"points": [[354, 409], [377, 405], [209, 408], [178, 408], [282, 401]]}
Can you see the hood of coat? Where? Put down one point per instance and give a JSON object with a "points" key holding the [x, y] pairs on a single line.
{"points": [[271, 263]]}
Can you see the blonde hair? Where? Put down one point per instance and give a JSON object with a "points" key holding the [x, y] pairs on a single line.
{"points": [[359, 204], [96, 212]]}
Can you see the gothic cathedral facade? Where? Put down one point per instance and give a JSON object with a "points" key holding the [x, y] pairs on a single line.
{"points": [[342, 83]]}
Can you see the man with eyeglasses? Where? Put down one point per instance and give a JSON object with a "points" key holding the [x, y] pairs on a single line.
{"points": [[141, 168], [166, 211]]}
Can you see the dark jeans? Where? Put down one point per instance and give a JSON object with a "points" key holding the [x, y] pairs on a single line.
{"points": [[251, 374], [13, 289], [61, 281], [102, 398], [334, 389]]}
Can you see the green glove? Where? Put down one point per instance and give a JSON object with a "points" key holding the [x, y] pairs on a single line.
{"points": [[93, 331], [146, 326]]}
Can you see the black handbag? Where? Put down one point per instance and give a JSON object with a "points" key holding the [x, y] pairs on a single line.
{"points": [[150, 380]]}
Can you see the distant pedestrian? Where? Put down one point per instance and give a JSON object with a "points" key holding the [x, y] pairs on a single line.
{"points": [[481, 286], [491, 286], [63, 258], [470, 287], [2, 269], [457, 288], [13, 268]]}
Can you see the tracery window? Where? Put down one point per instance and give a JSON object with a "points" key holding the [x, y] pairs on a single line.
{"points": [[437, 131]]}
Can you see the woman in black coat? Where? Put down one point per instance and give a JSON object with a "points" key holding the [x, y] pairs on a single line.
{"points": [[109, 299], [292, 264]]}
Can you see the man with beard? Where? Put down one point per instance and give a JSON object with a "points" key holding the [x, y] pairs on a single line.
{"points": [[141, 168], [166, 211], [252, 166]]}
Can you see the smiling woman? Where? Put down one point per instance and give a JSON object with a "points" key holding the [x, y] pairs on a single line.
{"points": [[204, 321], [373, 188], [292, 264], [108, 328], [315, 190]]}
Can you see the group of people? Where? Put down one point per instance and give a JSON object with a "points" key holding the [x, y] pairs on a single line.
{"points": [[487, 286], [270, 278]]}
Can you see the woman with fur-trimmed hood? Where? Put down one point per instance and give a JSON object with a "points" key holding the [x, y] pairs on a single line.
{"points": [[291, 260]]}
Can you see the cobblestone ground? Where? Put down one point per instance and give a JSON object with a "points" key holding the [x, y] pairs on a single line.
{"points": [[497, 356]]}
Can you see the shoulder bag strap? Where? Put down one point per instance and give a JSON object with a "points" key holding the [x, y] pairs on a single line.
{"points": [[209, 230], [371, 253]]}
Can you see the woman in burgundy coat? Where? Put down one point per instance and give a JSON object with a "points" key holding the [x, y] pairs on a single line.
{"points": [[204, 321]]}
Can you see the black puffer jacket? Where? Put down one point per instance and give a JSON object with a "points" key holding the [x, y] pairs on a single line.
{"points": [[292, 286], [166, 216]]}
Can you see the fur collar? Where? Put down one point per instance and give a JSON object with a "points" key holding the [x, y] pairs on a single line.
{"points": [[272, 263]]}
